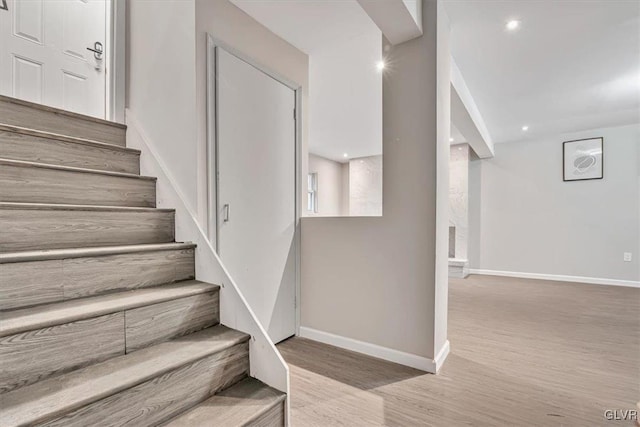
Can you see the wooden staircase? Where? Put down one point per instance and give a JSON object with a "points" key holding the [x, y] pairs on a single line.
{"points": [[102, 322]]}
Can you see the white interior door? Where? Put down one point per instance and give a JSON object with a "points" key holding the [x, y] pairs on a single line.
{"points": [[256, 189], [44, 56]]}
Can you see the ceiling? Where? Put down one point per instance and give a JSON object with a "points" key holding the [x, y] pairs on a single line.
{"points": [[572, 65], [309, 25]]}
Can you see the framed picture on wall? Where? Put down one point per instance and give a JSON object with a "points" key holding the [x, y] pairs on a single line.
{"points": [[582, 159]]}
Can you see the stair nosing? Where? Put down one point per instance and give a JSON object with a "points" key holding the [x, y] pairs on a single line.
{"points": [[58, 313], [267, 408], [276, 400], [86, 390], [74, 207], [54, 254], [28, 164], [62, 112], [66, 138]]}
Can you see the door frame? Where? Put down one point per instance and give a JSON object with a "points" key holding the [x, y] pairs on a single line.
{"points": [[213, 202], [115, 61]]}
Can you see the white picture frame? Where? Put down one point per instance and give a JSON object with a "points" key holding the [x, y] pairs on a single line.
{"points": [[583, 159]]}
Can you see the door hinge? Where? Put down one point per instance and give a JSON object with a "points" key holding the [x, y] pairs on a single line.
{"points": [[294, 114]]}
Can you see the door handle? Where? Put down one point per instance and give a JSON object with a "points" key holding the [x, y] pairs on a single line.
{"points": [[3, 5], [225, 213], [97, 50]]}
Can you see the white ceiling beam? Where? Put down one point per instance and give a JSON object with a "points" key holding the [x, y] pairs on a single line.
{"points": [[466, 117], [399, 20]]}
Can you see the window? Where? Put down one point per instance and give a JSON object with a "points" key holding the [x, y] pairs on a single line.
{"points": [[312, 192]]}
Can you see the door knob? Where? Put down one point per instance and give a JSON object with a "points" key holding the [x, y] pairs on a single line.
{"points": [[97, 50]]}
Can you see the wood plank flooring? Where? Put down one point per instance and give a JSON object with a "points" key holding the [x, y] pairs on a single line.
{"points": [[59, 226], [154, 402], [31, 356], [156, 323], [32, 146], [28, 182], [523, 353], [69, 395], [38, 282], [17, 112]]}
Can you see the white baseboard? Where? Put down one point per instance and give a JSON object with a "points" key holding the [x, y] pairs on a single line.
{"points": [[442, 356], [558, 277], [458, 268], [380, 352]]}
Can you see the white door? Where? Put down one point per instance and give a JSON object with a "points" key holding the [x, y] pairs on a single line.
{"points": [[256, 189], [44, 56]]}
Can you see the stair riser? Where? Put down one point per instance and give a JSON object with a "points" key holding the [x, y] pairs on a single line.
{"points": [[30, 283], [18, 146], [39, 229], [32, 356], [156, 323], [273, 417], [30, 184], [35, 355], [16, 114], [164, 397]]}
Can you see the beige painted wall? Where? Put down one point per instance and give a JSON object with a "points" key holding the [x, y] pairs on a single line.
{"points": [[373, 279], [330, 188], [229, 24]]}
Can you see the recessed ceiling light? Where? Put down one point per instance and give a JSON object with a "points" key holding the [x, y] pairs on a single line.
{"points": [[450, 139], [345, 155], [513, 25], [525, 128], [380, 65]]}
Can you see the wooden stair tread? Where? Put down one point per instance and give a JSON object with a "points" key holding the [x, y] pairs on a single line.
{"points": [[61, 112], [42, 316], [34, 226], [66, 138], [51, 254], [25, 164], [59, 395], [238, 405], [72, 207]]}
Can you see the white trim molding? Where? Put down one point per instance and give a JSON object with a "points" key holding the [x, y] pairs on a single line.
{"points": [[442, 356], [458, 268], [558, 278], [373, 350], [266, 363]]}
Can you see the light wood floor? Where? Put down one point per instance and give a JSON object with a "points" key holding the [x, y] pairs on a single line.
{"points": [[523, 352]]}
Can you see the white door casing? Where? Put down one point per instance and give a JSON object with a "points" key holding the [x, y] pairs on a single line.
{"points": [[44, 56], [256, 189]]}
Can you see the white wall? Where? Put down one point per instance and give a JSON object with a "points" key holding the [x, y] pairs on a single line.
{"points": [[166, 81], [345, 98], [353, 188], [161, 87], [330, 186], [459, 197], [524, 218], [372, 280], [365, 186]]}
